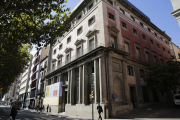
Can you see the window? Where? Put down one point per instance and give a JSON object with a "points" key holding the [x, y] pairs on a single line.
{"points": [[60, 46], [142, 74], [68, 58], [135, 31], [151, 41], [78, 51], [164, 49], [158, 45], [149, 29], [155, 59], [91, 20], [161, 38], [143, 36], [168, 51], [122, 11], [162, 62], [141, 24], [110, 1], [55, 51], [59, 62], [79, 31], [91, 44], [53, 66], [126, 45], [147, 57], [79, 17], [113, 41], [167, 42], [132, 18], [138, 53], [69, 40], [90, 6], [92, 69], [130, 70], [111, 16], [155, 34], [124, 25]]}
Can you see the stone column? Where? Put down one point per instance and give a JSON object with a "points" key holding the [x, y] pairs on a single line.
{"points": [[80, 84], [100, 80], [84, 84], [72, 81], [126, 87], [68, 92], [95, 81]]}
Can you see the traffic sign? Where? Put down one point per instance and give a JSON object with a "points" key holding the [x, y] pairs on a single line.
{"points": [[115, 96]]}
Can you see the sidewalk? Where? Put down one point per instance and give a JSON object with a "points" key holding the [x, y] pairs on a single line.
{"points": [[61, 115]]}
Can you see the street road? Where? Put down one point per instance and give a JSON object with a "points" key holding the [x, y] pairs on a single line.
{"points": [[25, 115]]}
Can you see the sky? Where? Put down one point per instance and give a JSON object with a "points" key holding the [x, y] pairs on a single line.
{"points": [[159, 12]]}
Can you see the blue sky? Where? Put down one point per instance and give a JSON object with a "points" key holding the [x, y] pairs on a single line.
{"points": [[159, 11]]}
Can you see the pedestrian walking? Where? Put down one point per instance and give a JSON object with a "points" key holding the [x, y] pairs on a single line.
{"points": [[13, 113], [37, 108], [47, 107], [99, 108]]}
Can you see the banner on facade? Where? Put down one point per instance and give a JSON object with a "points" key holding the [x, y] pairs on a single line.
{"points": [[54, 90]]}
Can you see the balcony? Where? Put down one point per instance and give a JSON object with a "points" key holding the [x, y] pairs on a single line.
{"points": [[117, 46], [77, 55]]}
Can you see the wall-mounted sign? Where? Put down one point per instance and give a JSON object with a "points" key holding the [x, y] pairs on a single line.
{"points": [[54, 90], [115, 96]]}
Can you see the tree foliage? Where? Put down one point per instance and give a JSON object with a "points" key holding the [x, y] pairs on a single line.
{"points": [[12, 63], [27, 22], [164, 77]]}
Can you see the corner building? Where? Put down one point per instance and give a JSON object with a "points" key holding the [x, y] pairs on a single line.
{"points": [[107, 50]]}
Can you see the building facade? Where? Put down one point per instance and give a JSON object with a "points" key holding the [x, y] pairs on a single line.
{"points": [[176, 8], [35, 74], [175, 51], [107, 50]]}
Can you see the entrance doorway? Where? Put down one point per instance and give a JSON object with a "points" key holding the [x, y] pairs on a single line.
{"points": [[133, 96], [64, 101]]}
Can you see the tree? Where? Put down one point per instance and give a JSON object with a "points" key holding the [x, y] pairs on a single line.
{"points": [[12, 63], [165, 77], [27, 22]]}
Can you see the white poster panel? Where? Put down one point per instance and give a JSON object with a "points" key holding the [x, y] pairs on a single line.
{"points": [[54, 90]]}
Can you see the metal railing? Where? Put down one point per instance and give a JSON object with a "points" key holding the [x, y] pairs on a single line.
{"points": [[117, 46], [77, 55]]}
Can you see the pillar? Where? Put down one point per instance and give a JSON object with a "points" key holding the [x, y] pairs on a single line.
{"points": [[84, 84], [68, 92], [80, 84], [100, 80], [95, 81]]}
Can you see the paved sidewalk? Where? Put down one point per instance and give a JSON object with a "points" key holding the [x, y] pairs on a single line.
{"points": [[61, 115]]}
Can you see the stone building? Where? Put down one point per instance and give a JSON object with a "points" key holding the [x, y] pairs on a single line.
{"points": [[176, 8], [107, 50], [35, 74], [175, 51]]}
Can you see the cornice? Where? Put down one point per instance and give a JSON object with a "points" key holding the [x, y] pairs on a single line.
{"points": [[130, 8]]}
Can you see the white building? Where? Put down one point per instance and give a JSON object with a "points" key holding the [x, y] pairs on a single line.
{"points": [[107, 50], [176, 8]]}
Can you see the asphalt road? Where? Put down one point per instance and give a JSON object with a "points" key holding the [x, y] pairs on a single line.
{"points": [[25, 115]]}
